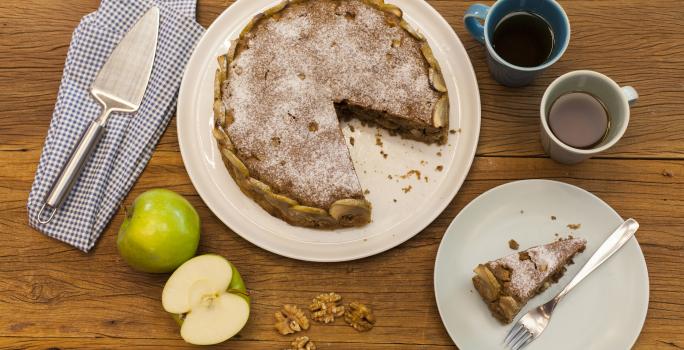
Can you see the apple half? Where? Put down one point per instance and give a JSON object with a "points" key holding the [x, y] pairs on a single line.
{"points": [[208, 298]]}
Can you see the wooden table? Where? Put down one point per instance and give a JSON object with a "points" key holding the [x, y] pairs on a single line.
{"points": [[53, 296]]}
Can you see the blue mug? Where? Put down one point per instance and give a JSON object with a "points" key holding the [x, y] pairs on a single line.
{"points": [[505, 72]]}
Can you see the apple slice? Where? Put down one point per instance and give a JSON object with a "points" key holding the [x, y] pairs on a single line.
{"points": [[208, 297]]}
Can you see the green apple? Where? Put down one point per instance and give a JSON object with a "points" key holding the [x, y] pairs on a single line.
{"points": [[207, 297], [161, 231]]}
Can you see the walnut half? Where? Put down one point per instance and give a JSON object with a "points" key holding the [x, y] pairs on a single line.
{"points": [[360, 317], [325, 307], [302, 343], [290, 320]]}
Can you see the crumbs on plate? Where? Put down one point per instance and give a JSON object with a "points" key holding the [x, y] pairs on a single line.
{"points": [[513, 244]]}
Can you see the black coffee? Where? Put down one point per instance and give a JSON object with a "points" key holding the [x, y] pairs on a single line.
{"points": [[523, 39], [579, 120]]}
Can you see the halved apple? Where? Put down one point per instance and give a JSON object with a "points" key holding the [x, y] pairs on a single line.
{"points": [[207, 297]]}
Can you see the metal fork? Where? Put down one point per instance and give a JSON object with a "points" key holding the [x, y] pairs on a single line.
{"points": [[531, 326]]}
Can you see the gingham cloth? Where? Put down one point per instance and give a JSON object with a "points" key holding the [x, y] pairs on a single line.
{"points": [[130, 139]]}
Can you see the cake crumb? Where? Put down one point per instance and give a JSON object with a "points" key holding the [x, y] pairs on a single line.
{"points": [[453, 131], [513, 244], [366, 192], [522, 212], [407, 189], [384, 155], [351, 128], [422, 162], [352, 141], [574, 226], [553, 217], [394, 200], [556, 234], [378, 141], [389, 177], [439, 168], [426, 179], [411, 173], [667, 173], [439, 154]]}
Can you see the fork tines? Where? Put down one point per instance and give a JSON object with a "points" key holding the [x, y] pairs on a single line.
{"points": [[518, 337]]}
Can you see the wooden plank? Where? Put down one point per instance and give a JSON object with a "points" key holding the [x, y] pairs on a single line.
{"points": [[54, 296], [25, 343], [604, 39], [110, 300]]}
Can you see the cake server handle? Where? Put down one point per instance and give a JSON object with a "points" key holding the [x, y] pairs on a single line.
{"points": [[611, 245], [71, 171]]}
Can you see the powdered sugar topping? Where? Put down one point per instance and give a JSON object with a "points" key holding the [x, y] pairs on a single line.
{"points": [[544, 261], [281, 91]]}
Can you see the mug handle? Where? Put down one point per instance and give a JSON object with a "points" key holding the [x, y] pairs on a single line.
{"points": [[631, 94], [472, 18]]}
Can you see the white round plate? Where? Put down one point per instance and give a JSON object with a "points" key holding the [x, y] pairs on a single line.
{"points": [[606, 311], [393, 222]]}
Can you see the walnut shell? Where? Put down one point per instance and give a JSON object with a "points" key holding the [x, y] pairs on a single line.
{"points": [[325, 307], [290, 320], [302, 343], [359, 316]]}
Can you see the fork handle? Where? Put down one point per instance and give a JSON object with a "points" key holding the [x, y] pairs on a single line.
{"points": [[611, 245]]}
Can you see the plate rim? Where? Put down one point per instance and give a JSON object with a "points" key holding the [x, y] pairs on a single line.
{"points": [[547, 181], [185, 90]]}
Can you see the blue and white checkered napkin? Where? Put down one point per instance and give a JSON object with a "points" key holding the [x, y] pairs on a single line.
{"points": [[130, 139]]}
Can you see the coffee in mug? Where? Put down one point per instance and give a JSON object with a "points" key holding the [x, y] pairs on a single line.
{"points": [[582, 114], [579, 120], [524, 39]]}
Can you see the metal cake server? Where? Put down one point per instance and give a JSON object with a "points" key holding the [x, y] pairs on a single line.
{"points": [[119, 87]]}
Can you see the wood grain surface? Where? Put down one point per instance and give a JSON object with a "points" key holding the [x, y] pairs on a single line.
{"points": [[52, 296]]}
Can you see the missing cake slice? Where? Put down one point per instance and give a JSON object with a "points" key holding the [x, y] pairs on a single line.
{"points": [[508, 283]]}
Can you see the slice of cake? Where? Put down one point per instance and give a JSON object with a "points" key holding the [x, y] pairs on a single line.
{"points": [[298, 68], [507, 284]]}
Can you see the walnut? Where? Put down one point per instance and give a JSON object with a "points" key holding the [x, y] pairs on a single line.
{"points": [[325, 307], [360, 317], [290, 320], [302, 343]]}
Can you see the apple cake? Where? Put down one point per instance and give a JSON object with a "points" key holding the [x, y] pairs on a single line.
{"points": [[507, 284], [294, 71]]}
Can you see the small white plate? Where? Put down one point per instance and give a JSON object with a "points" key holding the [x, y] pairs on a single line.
{"points": [[606, 311], [393, 222]]}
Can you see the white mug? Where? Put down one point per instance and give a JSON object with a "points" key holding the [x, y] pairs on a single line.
{"points": [[616, 99]]}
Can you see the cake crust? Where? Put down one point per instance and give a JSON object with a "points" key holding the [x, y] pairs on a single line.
{"points": [[296, 69], [508, 283]]}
